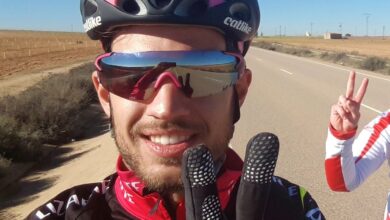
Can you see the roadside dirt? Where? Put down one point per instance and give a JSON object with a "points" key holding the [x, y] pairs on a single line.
{"points": [[16, 83], [66, 168], [69, 165]]}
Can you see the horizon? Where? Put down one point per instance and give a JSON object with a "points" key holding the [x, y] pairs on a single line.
{"points": [[278, 17], [264, 36]]}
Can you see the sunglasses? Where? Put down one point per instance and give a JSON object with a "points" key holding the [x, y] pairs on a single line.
{"points": [[136, 76]]}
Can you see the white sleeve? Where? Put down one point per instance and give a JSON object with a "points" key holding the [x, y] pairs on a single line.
{"points": [[359, 158]]}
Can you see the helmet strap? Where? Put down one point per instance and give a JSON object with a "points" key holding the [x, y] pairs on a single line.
{"points": [[232, 46], [236, 106]]}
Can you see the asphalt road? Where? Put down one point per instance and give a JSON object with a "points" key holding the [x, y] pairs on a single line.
{"points": [[291, 97]]}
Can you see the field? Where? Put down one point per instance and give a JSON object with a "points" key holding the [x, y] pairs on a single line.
{"points": [[370, 46], [29, 51], [32, 51]]}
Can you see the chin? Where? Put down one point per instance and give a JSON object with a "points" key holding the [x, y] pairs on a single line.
{"points": [[167, 173], [163, 177]]}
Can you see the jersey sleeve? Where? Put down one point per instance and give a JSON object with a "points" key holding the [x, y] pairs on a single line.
{"points": [[350, 161], [293, 201]]}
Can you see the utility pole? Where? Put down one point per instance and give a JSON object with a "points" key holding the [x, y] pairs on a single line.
{"points": [[311, 29], [367, 17], [383, 32], [280, 31]]}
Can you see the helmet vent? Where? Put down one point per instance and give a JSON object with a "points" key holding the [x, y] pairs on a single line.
{"points": [[158, 4], [90, 7], [131, 7], [198, 8], [240, 11]]}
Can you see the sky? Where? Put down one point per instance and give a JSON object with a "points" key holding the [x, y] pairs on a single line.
{"points": [[295, 17], [285, 17]]}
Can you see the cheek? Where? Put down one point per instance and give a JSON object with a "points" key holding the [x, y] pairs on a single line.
{"points": [[217, 113], [125, 113]]}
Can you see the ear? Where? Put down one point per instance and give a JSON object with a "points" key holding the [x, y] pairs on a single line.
{"points": [[102, 93], [243, 84]]}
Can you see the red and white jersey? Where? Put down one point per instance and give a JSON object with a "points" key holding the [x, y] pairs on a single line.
{"points": [[349, 160]]}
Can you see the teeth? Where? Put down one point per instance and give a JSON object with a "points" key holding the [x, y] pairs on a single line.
{"points": [[166, 140]]}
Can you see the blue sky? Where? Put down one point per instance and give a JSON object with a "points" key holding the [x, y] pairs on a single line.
{"points": [[299, 16], [293, 17]]}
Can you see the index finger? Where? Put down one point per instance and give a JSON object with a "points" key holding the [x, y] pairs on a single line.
{"points": [[362, 91], [350, 85]]}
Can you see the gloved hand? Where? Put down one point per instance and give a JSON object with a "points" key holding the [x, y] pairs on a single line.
{"points": [[199, 179]]}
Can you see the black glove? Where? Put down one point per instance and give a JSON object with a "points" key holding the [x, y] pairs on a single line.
{"points": [[199, 179], [256, 180]]}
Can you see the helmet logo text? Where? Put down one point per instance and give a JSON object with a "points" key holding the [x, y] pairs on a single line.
{"points": [[238, 24], [92, 22]]}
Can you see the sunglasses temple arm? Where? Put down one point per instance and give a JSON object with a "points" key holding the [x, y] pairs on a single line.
{"points": [[241, 61], [97, 60]]}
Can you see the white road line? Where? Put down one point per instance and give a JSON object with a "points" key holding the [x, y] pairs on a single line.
{"points": [[327, 65], [286, 71], [366, 106], [371, 108], [376, 77], [339, 68]]}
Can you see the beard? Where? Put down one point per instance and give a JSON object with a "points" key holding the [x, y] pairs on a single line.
{"points": [[128, 144]]}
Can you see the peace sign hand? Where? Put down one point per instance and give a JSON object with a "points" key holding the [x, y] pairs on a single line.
{"points": [[345, 114]]}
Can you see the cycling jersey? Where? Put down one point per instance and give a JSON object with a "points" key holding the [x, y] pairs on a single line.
{"points": [[123, 196], [350, 161]]}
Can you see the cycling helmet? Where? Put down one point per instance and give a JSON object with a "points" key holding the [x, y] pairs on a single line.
{"points": [[237, 20]]}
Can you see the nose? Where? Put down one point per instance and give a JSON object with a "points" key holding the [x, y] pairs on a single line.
{"points": [[169, 102]]}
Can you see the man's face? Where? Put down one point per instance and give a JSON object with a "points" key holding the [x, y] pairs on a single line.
{"points": [[152, 135]]}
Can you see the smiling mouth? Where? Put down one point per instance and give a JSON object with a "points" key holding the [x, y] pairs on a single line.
{"points": [[169, 139], [168, 145]]}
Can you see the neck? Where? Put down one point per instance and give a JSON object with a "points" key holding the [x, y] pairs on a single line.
{"points": [[171, 201]]}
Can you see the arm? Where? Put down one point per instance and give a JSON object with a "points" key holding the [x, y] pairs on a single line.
{"points": [[348, 161]]}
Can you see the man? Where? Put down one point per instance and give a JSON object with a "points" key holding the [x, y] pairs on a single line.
{"points": [[173, 77], [349, 160]]}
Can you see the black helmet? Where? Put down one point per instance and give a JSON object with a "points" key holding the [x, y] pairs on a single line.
{"points": [[238, 20]]}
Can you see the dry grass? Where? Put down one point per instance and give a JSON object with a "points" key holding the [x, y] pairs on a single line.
{"points": [[49, 112], [357, 46]]}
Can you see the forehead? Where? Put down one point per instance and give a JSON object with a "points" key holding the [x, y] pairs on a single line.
{"points": [[160, 38]]}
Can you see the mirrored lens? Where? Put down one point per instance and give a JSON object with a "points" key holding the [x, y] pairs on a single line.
{"points": [[198, 83], [181, 58], [199, 73]]}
